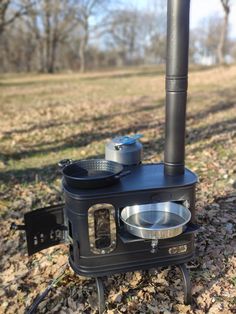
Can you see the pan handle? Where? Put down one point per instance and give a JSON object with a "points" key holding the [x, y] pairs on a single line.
{"points": [[123, 174], [64, 162]]}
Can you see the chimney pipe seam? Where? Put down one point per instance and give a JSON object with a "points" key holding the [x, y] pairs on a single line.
{"points": [[176, 84]]}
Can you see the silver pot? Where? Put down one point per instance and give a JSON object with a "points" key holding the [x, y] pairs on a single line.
{"points": [[156, 221]]}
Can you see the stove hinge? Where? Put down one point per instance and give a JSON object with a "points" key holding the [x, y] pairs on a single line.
{"points": [[44, 227]]}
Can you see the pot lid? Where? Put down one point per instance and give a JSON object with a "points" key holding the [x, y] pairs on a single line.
{"points": [[126, 140]]}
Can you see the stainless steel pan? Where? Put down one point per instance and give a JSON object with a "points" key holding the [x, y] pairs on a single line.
{"points": [[156, 221]]}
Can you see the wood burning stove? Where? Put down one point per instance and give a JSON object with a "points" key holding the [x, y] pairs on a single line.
{"points": [[91, 219]]}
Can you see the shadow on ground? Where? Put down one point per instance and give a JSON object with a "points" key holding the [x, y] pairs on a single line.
{"points": [[102, 132]]}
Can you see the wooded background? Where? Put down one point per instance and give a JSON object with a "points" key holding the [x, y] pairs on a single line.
{"points": [[58, 35]]}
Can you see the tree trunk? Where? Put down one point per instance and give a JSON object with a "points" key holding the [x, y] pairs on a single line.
{"points": [[224, 31], [48, 33], [82, 56], [48, 46], [51, 68], [83, 46], [41, 56]]}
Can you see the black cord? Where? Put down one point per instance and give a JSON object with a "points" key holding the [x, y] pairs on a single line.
{"points": [[38, 300], [40, 297]]}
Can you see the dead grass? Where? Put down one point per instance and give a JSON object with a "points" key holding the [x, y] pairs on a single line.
{"points": [[47, 118]]}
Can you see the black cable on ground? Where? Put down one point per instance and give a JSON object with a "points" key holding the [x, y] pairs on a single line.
{"points": [[40, 297]]}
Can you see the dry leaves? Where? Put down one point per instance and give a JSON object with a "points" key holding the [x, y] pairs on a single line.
{"points": [[49, 124]]}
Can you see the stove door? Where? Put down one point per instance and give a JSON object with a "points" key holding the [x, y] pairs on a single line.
{"points": [[44, 228]]}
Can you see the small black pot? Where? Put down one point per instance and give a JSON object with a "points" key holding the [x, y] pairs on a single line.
{"points": [[91, 173]]}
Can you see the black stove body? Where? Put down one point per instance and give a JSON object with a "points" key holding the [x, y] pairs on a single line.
{"points": [[89, 222], [99, 245]]}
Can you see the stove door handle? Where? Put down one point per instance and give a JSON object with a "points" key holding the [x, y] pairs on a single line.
{"points": [[14, 226]]}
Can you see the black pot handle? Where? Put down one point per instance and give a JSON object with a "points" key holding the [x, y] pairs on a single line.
{"points": [[123, 174], [64, 162]]}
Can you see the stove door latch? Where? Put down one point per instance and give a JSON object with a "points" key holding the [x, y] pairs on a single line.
{"points": [[44, 228]]}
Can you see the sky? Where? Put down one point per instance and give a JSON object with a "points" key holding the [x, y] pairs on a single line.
{"points": [[199, 10], [203, 8]]}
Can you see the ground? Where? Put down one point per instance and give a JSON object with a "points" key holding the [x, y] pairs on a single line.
{"points": [[47, 118]]}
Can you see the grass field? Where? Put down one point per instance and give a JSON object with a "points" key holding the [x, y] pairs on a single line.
{"points": [[47, 118]]}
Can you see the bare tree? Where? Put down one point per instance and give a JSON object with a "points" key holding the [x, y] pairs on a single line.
{"points": [[224, 31], [86, 10], [156, 22], [55, 35], [137, 35], [11, 11], [206, 40], [123, 33], [51, 22]]}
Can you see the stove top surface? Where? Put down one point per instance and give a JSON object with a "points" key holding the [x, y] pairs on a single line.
{"points": [[142, 177]]}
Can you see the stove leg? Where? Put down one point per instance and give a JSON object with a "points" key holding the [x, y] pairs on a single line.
{"points": [[101, 299], [187, 284]]}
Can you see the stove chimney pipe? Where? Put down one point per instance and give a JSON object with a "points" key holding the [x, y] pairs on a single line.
{"points": [[176, 85]]}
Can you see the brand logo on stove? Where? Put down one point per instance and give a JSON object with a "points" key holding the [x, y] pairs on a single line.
{"points": [[178, 249]]}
